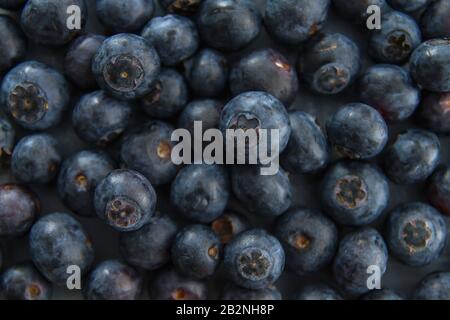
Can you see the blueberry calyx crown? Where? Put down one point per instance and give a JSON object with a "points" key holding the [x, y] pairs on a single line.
{"points": [[28, 103], [254, 264], [123, 212], [416, 235], [124, 73], [331, 78], [399, 45], [351, 192]]}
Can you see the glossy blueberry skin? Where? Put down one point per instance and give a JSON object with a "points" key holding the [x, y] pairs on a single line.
{"points": [[434, 112], [148, 151], [113, 280], [233, 292], [389, 89], [100, 119], [124, 16], [228, 225], [265, 70], [57, 241], [207, 73], [292, 22], [207, 111], [356, 10], [45, 21], [438, 189], [396, 40], [254, 259], [358, 251], [174, 37], [430, 65], [358, 131], [184, 7], [23, 282], [264, 195], [78, 177], [12, 43], [416, 234], [36, 159], [309, 239], [12, 4], [257, 110], [354, 193], [78, 60], [408, 5], [125, 191], [7, 140], [19, 207], [381, 294], [34, 95], [330, 63], [196, 251], [200, 192], [228, 25], [317, 292], [308, 150], [170, 285], [149, 247], [168, 96], [434, 21], [412, 157], [434, 286], [126, 66]]}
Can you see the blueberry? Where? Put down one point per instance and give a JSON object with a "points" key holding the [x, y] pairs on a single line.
{"points": [[7, 140], [412, 157], [12, 43], [396, 40], [293, 22], [184, 7], [434, 21], [356, 10], [46, 21], [58, 241], [126, 66], [200, 192], [228, 25], [435, 112], [233, 292], [12, 4], [264, 195], [170, 285], [168, 96], [78, 60], [354, 193], [78, 177], [207, 73], [358, 251], [357, 131], [408, 5], [35, 95], [19, 206], [438, 189], [207, 111], [307, 150], [100, 119], [257, 110], [196, 251], [36, 159], [317, 292], [390, 90], [113, 280], [125, 199], [416, 234], [149, 247], [381, 294], [435, 286], [430, 65], [174, 37], [265, 70], [124, 16], [23, 282], [229, 225], [308, 238], [254, 259], [330, 63]]}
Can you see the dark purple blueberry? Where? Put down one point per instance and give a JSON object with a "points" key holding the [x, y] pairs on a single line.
{"points": [[438, 189], [170, 285], [12, 43], [434, 286], [7, 141], [233, 292], [207, 111], [229, 225], [434, 112], [184, 7], [356, 10], [435, 20], [409, 6], [317, 292], [12, 4], [381, 294]]}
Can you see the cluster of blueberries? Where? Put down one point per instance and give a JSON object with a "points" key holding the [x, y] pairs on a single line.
{"points": [[196, 63]]}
